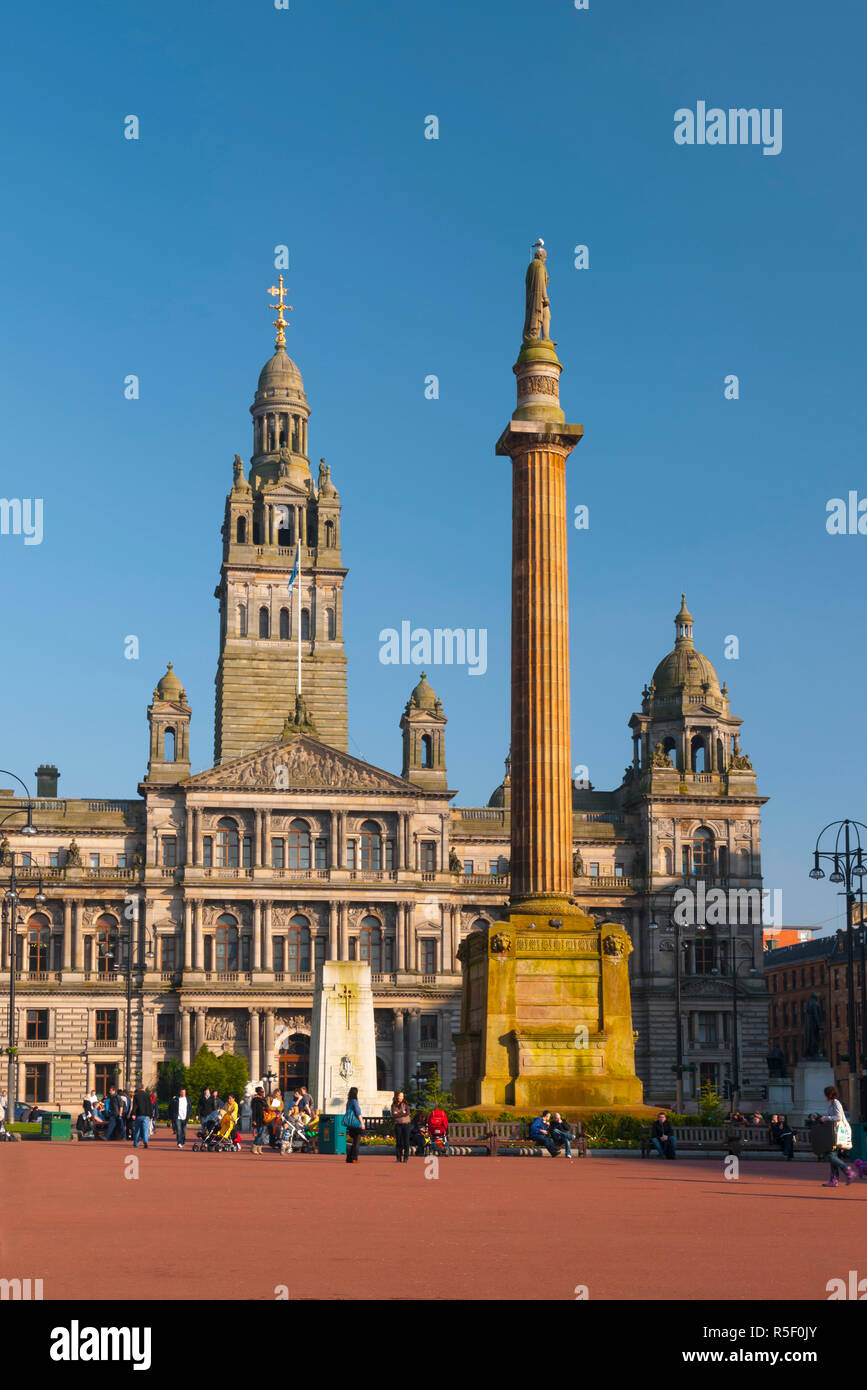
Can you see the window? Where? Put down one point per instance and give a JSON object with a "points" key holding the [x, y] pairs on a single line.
{"points": [[686, 860], [166, 1033], [319, 944], [618, 870], [37, 1025], [371, 845], [38, 941], [104, 1075], [478, 924], [350, 854], [388, 955], [284, 624], [241, 530], [494, 867], [170, 851], [121, 861], [698, 753], [169, 746], [277, 954], [247, 851], [36, 1082], [245, 952], [428, 957], [426, 750], [226, 941], [329, 533], [429, 1028], [594, 870], [108, 946], [168, 953], [299, 845], [227, 844], [706, 1029], [331, 624], [264, 624], [54, 859], [321, 849], [468, 866], [389, 854], [94, 861], [723, 856], [703, 956], [26, 860], [299, 945], [305, 624], [208, 852], [667, 863], [242, 620], [428, 856], [370, 944], [277, 854], [106, 1025]]}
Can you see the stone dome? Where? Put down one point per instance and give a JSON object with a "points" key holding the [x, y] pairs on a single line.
{"points": [[423, 697], [280, 373], [684, 666], [169, 688]]}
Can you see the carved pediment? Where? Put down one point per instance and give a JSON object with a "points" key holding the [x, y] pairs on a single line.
{"points": [[300, 763]]}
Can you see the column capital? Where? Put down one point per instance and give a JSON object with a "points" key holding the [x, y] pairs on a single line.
{"points": [[520, 436]]}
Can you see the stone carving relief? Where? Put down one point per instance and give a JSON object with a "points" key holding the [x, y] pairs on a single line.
{"points": [[301, 764], [226, 1025]]}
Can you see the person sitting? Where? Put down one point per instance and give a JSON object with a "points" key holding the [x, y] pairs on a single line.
{"points": [[561, 1133], [418, 1132], [438, 1129], [757, 1118], [662, 1136], [540, 1133], [782, 1135]]}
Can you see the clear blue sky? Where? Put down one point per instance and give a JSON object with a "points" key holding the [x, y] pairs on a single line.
{"points": [[306, 127]]}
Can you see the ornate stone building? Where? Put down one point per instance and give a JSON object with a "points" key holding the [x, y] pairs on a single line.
{"points": [[197, 912]]}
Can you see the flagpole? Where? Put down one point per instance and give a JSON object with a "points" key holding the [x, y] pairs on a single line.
{"points": [[298, 582]]}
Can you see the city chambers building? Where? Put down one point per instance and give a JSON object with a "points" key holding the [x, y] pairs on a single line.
{"points": [[196, 912]]}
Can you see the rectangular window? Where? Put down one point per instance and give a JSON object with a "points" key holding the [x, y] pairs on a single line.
{"points": [[170, 851], [350, 856], [166, 1029], [320, 941], [428, 957], [54, 859], [37, 1025], [168, 953], [428, 856], [703, 956], [321, 852], [429, 1028], [388, 965], [209, 953], [94, 861], [106, 1025], [353, 948], [389, 854], [618, 870], [208, 852], [36, 1082], [104, 1075], [685, 861], [468, 866], [594, 870], [494, 867], [277, 953], [707, 1028], [121, 861], [278, 854], [248, 852], [26, 860], [245, 952]]}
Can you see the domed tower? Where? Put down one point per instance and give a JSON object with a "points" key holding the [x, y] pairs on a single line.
{"points": [[423, 726], [274, 517], [169, 719]]}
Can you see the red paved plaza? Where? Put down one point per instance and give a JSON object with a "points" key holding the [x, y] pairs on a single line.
{"points": [[226, 1226]]}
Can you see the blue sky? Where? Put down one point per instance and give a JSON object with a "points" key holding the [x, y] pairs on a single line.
{"points": [[306, 127]]}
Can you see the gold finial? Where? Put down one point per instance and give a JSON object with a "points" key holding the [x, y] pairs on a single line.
{"points": [[280, 323]]}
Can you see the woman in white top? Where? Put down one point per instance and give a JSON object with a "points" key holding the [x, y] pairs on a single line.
{"points": [[842, 1138]]}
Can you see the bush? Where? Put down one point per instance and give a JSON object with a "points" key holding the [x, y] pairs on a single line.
{"points": [[228, 1073], [711, 1107]]}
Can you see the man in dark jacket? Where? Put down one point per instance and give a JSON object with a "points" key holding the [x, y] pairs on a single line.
{"points": [[540, 1133], [206, 1105], [141, 1109], [662, 1136], [257, 1119], [114, 1110]]}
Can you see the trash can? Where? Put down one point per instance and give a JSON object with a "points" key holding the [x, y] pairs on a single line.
{"points": [[332, 1134], [859, 1140], [57, 1126]]}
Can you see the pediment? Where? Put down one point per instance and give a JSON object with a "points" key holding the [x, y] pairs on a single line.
{"points": [[299, 764]]}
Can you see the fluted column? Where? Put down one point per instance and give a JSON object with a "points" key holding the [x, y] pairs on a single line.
{"points": [[198, 945], [188, 935], [77, 938], [186, 1058], [255, 1062], [399, 1061], [67, 934], [257, 938]]}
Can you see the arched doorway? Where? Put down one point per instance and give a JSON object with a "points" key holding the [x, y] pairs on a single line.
{"points": [[293, 1064]]}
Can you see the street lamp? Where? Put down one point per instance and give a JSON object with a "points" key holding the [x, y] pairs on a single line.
{"points": [[849, 857], [736, 970], [12, 898], [269, 1077]]}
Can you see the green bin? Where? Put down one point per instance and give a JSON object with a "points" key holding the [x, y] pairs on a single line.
{"points": [[57, 1126], [332, 1134], [859, 1140]]}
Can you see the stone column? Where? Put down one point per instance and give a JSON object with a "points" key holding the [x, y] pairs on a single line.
{"points": [[399, 1060], [198, 944], [267, 951], [412, 1048], [333, 945], [67, 934], [400, 932], [257, 937], [340, 862], [255, 1061], [197, 837], [399, 839], [188, 836], [257, 840], [199, 1033], [266, 836], [333, 842], [186, 1057], [455, 939], [267, 1062], [77, 938], [188, 934]]}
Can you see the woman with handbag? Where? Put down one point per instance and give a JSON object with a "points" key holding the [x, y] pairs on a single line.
{"points": [[354, 1125], [836, 1116], [400, 1113]]}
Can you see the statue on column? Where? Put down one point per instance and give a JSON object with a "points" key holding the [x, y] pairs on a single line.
{"points": [[814, 1027], [537, 318]]}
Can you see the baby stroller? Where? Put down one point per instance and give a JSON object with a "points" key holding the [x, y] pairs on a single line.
{"points": [[437, 1142], [293, 1135], [215, 1136]]}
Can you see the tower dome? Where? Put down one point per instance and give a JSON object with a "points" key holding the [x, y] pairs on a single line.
{"points": [[280, 373], [170, 688], [685, 669], [423, 697]]}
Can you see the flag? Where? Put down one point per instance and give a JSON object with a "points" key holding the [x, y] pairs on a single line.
{"points": [[294, 575]]}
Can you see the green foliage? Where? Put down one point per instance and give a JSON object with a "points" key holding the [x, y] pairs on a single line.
{"points": [[430, 1095], [227, 1072], [711, 1107], [604, 1129], [171, 1075]]}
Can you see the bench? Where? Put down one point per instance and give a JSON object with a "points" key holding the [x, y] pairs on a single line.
{"points": [[733, 1138], [513, 1136]]}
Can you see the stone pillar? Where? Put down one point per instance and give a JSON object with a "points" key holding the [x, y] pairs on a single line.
{"points": [[412, 1049], [340, 862], [257, 937], [197, 837], [342, 932], [188, 934], [77, 938], [399, 840], [400, 932], [186, 1057], [399, 1059], [257, 840], [188, 834], [267, 1062], [266, 834], [255, 1061], [333, 945], [67, 934], [333, 843], [198, 944], [199, 1039], [454, 939], [267, 951]]}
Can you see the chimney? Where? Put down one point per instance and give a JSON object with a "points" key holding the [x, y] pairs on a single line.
{"points": [[46, 780]]}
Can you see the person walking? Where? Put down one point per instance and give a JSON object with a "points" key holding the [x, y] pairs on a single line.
{"points": [[354, 1124], [179, 1113], [836, 1115], [141, 1110], [155, 1111], [402, 1116], [114, 1111], [257, 1119]]}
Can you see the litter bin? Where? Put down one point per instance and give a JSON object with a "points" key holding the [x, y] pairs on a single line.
{"points": [[332, 1134], [57, 1126], [859, 1140]]}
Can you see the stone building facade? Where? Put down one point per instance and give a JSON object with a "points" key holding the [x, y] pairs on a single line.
{"points": [[196, 912], [818, 967]]}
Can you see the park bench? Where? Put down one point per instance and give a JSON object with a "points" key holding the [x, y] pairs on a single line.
{"points": [[513, 1136], [467, 1135], [734, 1139]]}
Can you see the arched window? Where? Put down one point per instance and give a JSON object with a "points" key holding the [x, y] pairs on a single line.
{"points": [[107, 945], [426, 750], [264, 625], [305, 624], [284, 624], [299, 845], [479, 924], [698, 754], [226, 940], [298, 943], [669, 746], [702, 852], [371, 845], [227, 844], [169, 746], [370, 944], [720, 756], [331, 622], [241, 530], [242, 620], [285, 518], [38, 941], [329, 533]]}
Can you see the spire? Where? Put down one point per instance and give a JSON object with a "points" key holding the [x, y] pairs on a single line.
{"points": [[683, 625], [280, 323]]}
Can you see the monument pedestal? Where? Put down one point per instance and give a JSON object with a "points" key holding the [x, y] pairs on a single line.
{"points": [[780, 1097], [545, 1015], [342, 1044], [811, 1076]]}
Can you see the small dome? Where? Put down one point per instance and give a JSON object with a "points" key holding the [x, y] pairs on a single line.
{"points": [[685, 667], [502, 795], [423, 697], [169, 688], [280, 372]]}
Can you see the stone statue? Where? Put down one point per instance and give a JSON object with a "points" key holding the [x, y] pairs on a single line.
{"points": [[537, 318], [740, 762], [285, 457], [814, 1027], [237, 467], [73, 855], [301, 722], [659, 757], [5, 853], [776, 1062], [454, 862], [577, 864]]}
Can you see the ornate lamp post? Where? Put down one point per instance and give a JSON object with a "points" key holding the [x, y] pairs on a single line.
{"points": [[849, 858]]}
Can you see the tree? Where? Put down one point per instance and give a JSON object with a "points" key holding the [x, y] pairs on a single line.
{"points": [[171, 1075], [227, 1072]]}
